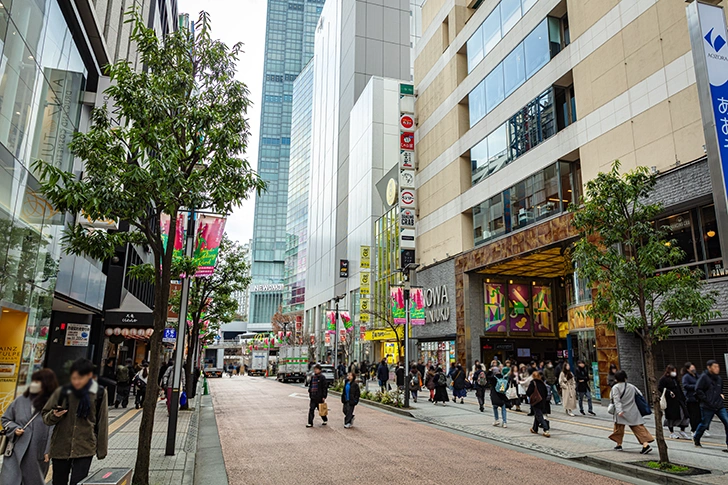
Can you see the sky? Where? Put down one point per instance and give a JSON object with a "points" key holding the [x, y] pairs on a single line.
{"points": [[240, 21]]}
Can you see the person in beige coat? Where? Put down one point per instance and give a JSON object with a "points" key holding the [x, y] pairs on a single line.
{"points": [[568, 389]]}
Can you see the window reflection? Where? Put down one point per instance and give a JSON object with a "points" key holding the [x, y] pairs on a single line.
{"points": [[494, 91], [514, 70], [510, 14]]}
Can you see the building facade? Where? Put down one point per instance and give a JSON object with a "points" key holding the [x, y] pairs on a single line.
{"points": [[519, 103], [289, 44]]}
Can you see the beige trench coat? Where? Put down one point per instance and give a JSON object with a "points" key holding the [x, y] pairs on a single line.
{"points": [[568, 392]]}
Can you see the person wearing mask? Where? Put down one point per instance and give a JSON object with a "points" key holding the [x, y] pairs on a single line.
{"points": [[676, 413], [498, 400], [81, 419], [318, 391], [537, 393], [415, 381], [550, 378], [480, 383], [708, 391], [581, 374], [611, 380], [689, 382], [568, 389], [168, 384], [626, 413], [349, 398], [440, 387], [523, 380], [30, 437], [140, 382], [430, 382], [383, 375], [458, 384], [399, 376]]}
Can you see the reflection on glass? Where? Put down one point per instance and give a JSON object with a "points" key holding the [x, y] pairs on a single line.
{"points": [[476, 103], [537, 49], [479, 160], [510, 14], [494, 90], [491, 30], [680, 230], [514, 70], [710, 232], [497, 149], [527, 4], [475, 48]]}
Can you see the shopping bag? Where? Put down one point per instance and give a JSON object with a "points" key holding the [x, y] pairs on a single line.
{"points": [[663, 400], [511, 393], [323, 409], [183, 399]]}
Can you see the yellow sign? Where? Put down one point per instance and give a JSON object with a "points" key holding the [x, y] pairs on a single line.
{"points": [[363, 310], [364, 287], [384, 334], [365, 259], [12, 334], [578, 318]]}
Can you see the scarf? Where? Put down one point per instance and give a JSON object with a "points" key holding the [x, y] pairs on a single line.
{"points": [[84, 401]]}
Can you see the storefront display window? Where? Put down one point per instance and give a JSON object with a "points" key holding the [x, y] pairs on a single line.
{"points": [[442, 352]]}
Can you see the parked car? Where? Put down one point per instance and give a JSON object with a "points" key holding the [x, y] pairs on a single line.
{"points": [[328, 372]]}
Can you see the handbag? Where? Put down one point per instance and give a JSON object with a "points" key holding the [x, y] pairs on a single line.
{"points": [[323, 409], [642, 405], [535, 396], [663, 399], [511, 393], [3, 441], [183, 399], [9, 444]]}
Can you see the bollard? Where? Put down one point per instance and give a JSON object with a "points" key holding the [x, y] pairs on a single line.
{"points": [[205, 389], [110, 476]]}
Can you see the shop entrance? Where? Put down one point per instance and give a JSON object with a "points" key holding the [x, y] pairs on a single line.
{"points": [[522, 351]]}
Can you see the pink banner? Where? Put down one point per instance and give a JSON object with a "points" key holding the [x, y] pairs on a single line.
{"points": [[210, 230]]}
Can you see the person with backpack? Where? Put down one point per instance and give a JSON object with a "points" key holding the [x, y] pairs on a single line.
{"points": [[81, 419], [415, 381], [440, 387], [458, 384], [480, 382], [430, 382], [498, 400], [124, 374], [626, 413]]}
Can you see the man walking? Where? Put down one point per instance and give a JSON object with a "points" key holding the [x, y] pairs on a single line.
{"points": [[383, 375], [81, 418], [550, 378], [582, 387], [708, 391], [124, 374], [318, 390]]}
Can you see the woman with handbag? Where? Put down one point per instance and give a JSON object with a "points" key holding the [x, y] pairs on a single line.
{"points": [[627, 413], [673, 403], [25, 460], [568, 389], [524, 380], [430, 382], [537, 393]]}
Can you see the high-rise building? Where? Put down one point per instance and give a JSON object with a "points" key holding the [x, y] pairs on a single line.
{"points": [[298, 182], [289, 44], [243, 297]]}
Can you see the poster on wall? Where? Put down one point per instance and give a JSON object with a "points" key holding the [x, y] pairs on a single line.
{"points": [[519, 317], [543, 316], [396, 294], [12, 331], [495, 308], [77, 335], [417, 306]]}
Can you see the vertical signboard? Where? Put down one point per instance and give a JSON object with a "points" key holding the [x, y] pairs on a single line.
{"points": [[708, 37], [365, 257], [519, 315], [417, 306], [543, 319], [399, 315], [364, 283], [407, 194], [495, 308]]}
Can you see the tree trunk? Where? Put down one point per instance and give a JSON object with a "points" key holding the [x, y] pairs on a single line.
{"points": [[654, 400]]}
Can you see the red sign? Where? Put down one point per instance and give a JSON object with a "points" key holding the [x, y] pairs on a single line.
{"points": [[328, 338], [407, 199], [406, 122], [407, 140]]}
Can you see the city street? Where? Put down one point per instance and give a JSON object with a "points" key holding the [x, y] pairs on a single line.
{"points": [[265, 441]]}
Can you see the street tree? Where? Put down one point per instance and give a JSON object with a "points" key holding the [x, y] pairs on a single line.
{"points": [[174, 138], [622, 251]]}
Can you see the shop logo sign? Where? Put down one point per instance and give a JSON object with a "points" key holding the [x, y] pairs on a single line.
{"points": [[129, 318], [716, 43]]}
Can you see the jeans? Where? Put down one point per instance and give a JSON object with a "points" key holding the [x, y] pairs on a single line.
{"points": [[122, 395], [313, 406], [555, 393], [708, 414], [581, 396], [414, 395], [539, 420], [383, 386], [77, 468], [348, 413], [503, 412]]}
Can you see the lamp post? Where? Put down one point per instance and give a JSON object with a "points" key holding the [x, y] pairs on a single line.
{"points": [[408, 270], [336, 299]]}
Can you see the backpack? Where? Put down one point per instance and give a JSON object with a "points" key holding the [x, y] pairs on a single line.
{"points": [[441, 380], [122, 374], [501, 385], [414, 381], [482, 379]]}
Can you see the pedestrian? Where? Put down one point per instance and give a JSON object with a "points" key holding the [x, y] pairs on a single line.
{"points": [[458, 384], [168, 384], [551, 381], [81, 419], [124, 374], [475, 368], [140, 382], [318, 390], [108, 379], [230, 369], [689, 382], [498, 400], [28, 462], [523, 380], [364, 369], [480, 382], [354, 367], [415, 381], [708, 391], [581, 374], [349, 399], [611, 380], [383, 375], [537, 393], [421, 368], [676, 413], [440, 387], [341, 370], [626, 413], [430, 383], [399, 373], [163, 371], [568, 389]]}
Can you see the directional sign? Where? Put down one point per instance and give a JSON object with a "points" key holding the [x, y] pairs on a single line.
{"points": [[170, 335]]}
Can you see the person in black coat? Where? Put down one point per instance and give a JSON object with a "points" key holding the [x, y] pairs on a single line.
{"points": [[350, 398], [318, 391], [497, 399], [399, 373], [480, 389], [676, 413], [581, 374], [383, 375], [708, 391], [538, 397], [689, 383], [458, 383], [440, 387]]}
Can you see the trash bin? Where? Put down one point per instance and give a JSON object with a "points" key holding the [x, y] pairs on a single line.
{"points": [[110, 476]]}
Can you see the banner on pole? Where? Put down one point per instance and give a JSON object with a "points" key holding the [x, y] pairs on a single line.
{"points": [[399, 316], [207, 243], [365, 259], [347, 321], [165, 222], [417, 306], [331, 319]]}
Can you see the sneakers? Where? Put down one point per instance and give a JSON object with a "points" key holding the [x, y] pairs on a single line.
{"points": [[592, 413], [497, 423], [706, 434], [686, 434], [324, 423], [571, 414], [505, 425], [309, 425], [646, 450], [675, 436], [347, 425], [546, 434], [618, 448]]}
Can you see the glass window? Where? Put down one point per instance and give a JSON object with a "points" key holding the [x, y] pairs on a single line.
{"points": [[546, 199], [510, 14], [567, 192], [488, 219], [494, 91], [680, 229], [476, 102], [475, 48], [491, 31], [520, 199], [527, 4], [479, 160], [497, 149], [710, 232], [514, 70], [537, 49]]}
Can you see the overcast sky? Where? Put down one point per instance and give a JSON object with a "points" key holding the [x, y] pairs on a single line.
{"points": [[240, 21]]}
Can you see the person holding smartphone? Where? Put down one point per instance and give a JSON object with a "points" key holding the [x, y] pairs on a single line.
{"points": [[80, 414]]}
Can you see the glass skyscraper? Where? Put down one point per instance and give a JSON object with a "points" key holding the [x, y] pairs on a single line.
{"points": [[289, 44]]}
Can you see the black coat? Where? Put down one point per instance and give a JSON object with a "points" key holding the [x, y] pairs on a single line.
{"points": [[383, 372], [354, 394], [689, 383], [675, 401], [543, 391], [708, 391], [399, 374], [458, 378], [440, 389], [496, 398], [582, 379], [322, 387]]}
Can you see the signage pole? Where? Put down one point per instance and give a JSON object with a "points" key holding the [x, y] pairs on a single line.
{"points": [[336, 337], [179, 350], [406, 341]]}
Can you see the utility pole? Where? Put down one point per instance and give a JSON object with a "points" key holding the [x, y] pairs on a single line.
{"points": [[181, 331], [408, 270], [337, 299]]}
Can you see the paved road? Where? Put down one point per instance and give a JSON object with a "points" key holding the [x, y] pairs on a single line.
{"points": [[265, 441]]}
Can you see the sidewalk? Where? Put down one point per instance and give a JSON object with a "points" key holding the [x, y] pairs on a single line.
{"points": [[581, 438]]}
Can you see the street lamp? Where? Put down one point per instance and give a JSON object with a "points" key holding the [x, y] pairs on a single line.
{"points": [[336, 299], [408, 270]]}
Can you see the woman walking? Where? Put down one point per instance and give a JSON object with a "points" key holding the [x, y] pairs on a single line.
{"points": [[676, 413], [498, 400], [140, 383], [537, 393], [28, 463], [568, 389], [415, 381], [626, 413], [350, 398], [611, 380], [480, 382], [458, 384], [430, 382], [689, 381], [440, 387], [524, 380]]}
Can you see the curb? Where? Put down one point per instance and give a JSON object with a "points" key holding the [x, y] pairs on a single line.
{"points": [[638, 471], [190, 448], [384, 407]]}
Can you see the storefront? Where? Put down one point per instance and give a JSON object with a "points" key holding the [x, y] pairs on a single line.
{"points": [[385, 344], [127, 336]]}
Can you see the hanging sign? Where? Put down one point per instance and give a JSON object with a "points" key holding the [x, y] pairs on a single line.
{"points": [[343, 268], [406, 122], [407, 219], [364, 309], [407, 140], [407, 199], [406, 160], [331, 319], [396, 294], [210, 230], [77, 335], [364, 283], [417, 306], [407, 179], [364, 257]]}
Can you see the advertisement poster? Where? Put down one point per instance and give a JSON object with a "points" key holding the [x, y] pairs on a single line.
{"points": [[362, 331], [397, 296], [179, 238], [365, 259], [596, 392], [543, 317], [207, 244], [347, 321], [12, 332], [364, 309], [364, 288], [519, 317], [417, 306], [495, 308], [331, 319], [77, 335]]}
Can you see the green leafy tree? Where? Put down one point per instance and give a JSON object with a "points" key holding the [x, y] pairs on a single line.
{"points": [[175, 138], [622, 251]]}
